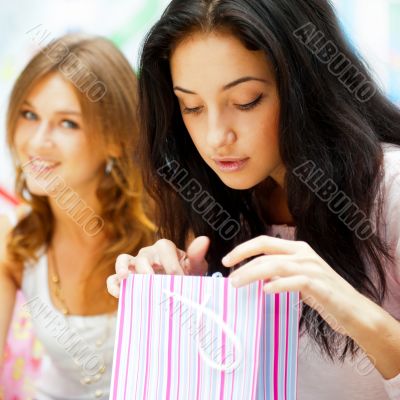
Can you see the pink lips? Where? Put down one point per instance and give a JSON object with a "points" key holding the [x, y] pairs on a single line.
{"points": [[38, 165], [230, 165]]}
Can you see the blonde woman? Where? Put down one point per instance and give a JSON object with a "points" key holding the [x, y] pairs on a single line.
{"points": [[72, 130]]}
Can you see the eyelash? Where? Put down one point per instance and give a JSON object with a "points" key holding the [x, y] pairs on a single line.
{"points": [[25, 113], [242, 107], [194, 111], [250, 106]]}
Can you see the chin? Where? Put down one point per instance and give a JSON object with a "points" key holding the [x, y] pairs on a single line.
{"points": [[37, 190], [239, 184], [39, 187]]}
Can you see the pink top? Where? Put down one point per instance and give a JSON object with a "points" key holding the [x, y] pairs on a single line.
{"points": [[356, 379]]}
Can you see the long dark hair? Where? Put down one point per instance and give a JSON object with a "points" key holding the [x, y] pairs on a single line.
{"points": [[322, 120]]}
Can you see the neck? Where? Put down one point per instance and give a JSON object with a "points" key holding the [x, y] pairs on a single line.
{"points": [[272, 200]]}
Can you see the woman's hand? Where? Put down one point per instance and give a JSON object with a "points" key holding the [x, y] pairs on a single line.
{"points": [[287, 265], [162, 257]]}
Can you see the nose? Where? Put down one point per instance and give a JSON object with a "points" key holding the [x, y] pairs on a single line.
{"points": [[42, 137], [220, 132]]}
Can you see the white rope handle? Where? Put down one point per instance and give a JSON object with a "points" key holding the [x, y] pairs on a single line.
{"points": [[201, 309]]}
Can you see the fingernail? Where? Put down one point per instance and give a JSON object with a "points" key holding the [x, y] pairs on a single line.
{"points": [[226, 260]]}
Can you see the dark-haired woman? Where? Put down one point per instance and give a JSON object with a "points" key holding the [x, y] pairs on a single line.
{"points": [[264, 133]]}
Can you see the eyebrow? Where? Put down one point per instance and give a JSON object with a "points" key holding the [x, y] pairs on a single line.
{"points": [[70, 112], [227, 86]]}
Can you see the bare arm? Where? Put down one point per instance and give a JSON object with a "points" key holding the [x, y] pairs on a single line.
{"points": [[8, 287]]}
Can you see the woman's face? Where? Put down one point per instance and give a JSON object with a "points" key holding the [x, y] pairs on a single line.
{"points": [[50, 140], [230, 106]]}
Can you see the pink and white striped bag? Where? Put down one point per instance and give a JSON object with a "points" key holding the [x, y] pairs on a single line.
{"points": [[199, 338]]}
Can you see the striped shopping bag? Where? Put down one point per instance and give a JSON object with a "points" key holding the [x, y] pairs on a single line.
{"points": [[198, 338]]}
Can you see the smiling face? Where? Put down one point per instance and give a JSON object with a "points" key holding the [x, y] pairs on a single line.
{"points": [[50, 140], [230, 106]]}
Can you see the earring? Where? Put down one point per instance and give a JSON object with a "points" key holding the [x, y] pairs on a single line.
{"points": [[109, 166]]}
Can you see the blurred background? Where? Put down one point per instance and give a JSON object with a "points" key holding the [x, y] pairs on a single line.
{"points": [[373, 27]]}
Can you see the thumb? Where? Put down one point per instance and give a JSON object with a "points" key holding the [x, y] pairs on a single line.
{"points": [[196, 253]]}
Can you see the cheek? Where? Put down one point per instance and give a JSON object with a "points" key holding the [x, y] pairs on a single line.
{"points": [[196, 130], [83, 156], [270, 130], [73, 145], [21, 138], [262, 137], [270, 125], [81, 168]]}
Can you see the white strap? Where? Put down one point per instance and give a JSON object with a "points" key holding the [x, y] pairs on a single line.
{"points": [[202, 310]]}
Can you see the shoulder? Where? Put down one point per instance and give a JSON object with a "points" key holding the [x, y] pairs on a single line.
{"points": [[7, 223], [391, 197], [5, 265], [391, 177], [391, 162], [5, 228], [11, 216]]}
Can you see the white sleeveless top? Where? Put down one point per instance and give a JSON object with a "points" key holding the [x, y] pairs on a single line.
{"points": [[78, 349]]}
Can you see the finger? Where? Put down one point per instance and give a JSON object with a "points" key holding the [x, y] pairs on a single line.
{"points": [[267, 261], [263, 268], [261, 245], [197, 250], [113, 285], [124, 265], [144, 261], [143, 266], [288, 284], [308, 290], [169, 257], [196, 253]]}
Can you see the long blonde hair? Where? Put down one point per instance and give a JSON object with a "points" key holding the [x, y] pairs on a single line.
{"points": [[106, 87]]}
